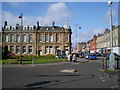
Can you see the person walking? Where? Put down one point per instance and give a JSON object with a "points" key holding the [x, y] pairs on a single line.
{"points": [[74, 58], [69, 57]]}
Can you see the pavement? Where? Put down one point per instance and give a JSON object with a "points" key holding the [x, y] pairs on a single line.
{"points": [[81, 75], [79, 61]]}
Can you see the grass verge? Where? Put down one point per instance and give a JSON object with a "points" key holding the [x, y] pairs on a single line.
{"points": [[103, 70], [36, 61]]}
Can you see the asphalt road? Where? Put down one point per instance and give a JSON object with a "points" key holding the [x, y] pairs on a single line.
{"points": [[88, 75]]}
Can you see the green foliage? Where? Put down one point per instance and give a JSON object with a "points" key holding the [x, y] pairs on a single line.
{"points": [[15, 57], [36, 61], [5, 52], [45, 57], [29, 57]]}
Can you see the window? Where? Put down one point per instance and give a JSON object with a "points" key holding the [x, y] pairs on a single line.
{"points": [[8, 27], [31, 28], [6, 38], [46, 28], [50, 50], [57, 37], [24, 38], [25, 28], [30, 37], [12, 49], [46, 50], [39, 52], [17, 50], [13, 28], [30, 49], [40, 38], [24, 49], [46, 37], [12, 38], [17, 38], [51, 37], [67, 37], [57, 47]]}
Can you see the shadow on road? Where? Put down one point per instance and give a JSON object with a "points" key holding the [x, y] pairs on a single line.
{"points": [[44, 84], [37, 84], [56, 75]]}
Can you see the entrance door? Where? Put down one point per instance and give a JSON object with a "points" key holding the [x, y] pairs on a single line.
{"points": [[40, 52], [66, 51]]}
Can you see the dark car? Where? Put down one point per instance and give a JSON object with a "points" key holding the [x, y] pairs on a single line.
{"points": [[77, 55], [103, 54], [81, 55], [97, 54], [117, 57]]}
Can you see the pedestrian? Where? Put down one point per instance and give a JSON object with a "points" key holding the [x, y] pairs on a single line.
{"points": [[69, 57], [74, 58]]}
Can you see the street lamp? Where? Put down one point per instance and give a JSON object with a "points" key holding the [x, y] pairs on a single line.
{"points": [[21, 19], [77, 27], [111, 57]]}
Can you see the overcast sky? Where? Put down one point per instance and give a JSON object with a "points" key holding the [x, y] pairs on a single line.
{"points": [[92, 17]]}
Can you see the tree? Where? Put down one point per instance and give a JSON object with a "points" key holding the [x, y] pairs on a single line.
{"points": [[5, 52]]}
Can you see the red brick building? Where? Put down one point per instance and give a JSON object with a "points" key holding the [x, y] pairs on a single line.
{"points": [[93, 44]]}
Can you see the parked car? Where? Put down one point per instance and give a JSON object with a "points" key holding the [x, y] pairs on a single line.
{"points": [[97, 54], [81, 55], [11, 54], [77, 54], [86, 55], [92, 56], [103, 54], [117, 57]]}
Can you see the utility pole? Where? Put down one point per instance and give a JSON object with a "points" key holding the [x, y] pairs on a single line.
{"points": [[21, 20], [77, 27], [112, 56]]}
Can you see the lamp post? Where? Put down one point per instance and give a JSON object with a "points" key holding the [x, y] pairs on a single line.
{"points": [[21, 19], [111, 57], [77, 27]]}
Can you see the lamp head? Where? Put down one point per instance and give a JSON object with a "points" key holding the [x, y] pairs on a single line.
{"points": [[110, 3]]}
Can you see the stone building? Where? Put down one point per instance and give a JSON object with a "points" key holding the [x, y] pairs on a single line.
{"points": [[81, 47], [87, 47], [37, 40], [103, 41]]}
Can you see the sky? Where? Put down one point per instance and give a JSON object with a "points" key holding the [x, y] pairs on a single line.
{"points": [[92, 17]]}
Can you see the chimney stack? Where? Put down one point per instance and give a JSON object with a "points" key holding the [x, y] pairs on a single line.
{"points": [[5, 23], [37, 25], [53, 24]]}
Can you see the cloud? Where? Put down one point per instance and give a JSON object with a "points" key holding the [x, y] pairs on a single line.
{"points": [[18, 5], [88, 35], [7, 16], [85, 35], [55, 12], [13, 19]]}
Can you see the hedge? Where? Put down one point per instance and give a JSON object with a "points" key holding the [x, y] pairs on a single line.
{"points": [[29, 57]]}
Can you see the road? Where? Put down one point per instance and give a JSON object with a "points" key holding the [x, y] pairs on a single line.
{"points": [[38, 76]]}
